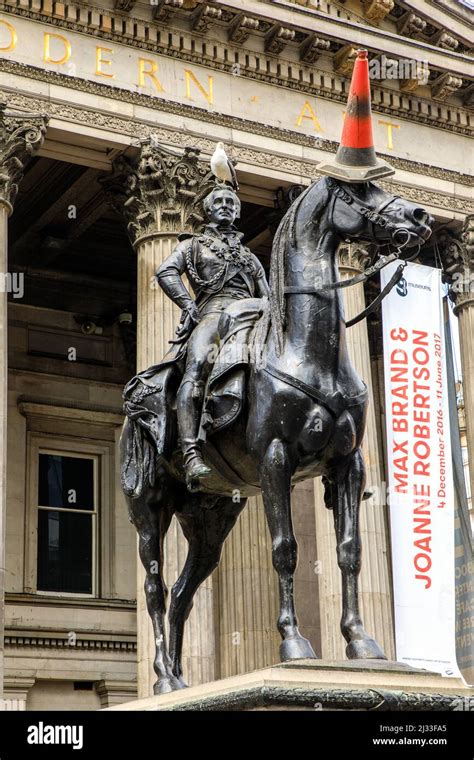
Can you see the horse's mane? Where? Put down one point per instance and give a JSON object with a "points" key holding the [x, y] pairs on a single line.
{"points": [[284, 236]]}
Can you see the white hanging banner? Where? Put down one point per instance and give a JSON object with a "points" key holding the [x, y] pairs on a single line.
{"points": [[420, 478]]}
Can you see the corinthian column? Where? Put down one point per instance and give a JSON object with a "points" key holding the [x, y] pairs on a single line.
{"points": [[374, 579], [458, 260], [20, 137], [247, 602], [159, 195], [247, 585]]}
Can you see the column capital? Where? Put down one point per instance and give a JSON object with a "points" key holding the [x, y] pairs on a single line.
{"points": [[457, 252], [21, 134], [353, 257], [160, 191]]}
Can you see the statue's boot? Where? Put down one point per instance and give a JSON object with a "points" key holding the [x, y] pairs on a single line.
{"points": [[189, 417]]}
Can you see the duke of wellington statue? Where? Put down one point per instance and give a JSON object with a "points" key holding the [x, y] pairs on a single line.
{"points": [[256, 393]]}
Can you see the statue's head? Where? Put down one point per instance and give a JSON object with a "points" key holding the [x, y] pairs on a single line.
{"points": [[222, 206]]}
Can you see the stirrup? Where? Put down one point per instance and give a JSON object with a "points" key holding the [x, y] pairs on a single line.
{"points": [[196, 471]]}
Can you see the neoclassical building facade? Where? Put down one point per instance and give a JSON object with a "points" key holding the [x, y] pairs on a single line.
{"points": [[109, 112]]}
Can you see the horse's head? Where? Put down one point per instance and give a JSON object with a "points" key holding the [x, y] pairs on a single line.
{"points": [[366, 212]]}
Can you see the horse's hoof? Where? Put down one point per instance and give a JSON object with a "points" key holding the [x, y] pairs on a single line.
{"points": [[164, 686], [364, 649], [181, 683], [297, 648]]}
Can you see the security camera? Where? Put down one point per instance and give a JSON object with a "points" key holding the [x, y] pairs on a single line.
{"points": [[88, 327], [125, 318]]}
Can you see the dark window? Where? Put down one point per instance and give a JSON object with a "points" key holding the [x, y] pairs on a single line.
{"points": [[66, 524], [66, 482]]}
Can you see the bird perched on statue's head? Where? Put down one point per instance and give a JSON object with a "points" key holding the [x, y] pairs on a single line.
{"points": [[222, 167]]}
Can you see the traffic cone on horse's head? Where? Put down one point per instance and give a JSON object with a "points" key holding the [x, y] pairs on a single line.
{"points": [[355, 160]]}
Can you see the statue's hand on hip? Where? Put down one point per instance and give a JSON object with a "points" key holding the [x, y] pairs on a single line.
{"points": [[190, 316], [192, 312]]}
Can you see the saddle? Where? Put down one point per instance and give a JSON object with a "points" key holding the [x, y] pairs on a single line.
{"points": [[150, 397]]}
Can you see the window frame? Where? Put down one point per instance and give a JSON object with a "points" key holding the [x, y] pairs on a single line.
{"points": [[103, 533], [93, 512]]}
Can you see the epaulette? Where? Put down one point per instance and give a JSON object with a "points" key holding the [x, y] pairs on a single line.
{"points": [[185, 235]]}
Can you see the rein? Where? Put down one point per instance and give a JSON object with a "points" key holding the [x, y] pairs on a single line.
{"points": [[376, 219]]}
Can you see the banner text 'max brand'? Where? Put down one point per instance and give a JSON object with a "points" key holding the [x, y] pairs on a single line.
{"points": [[419, 470]]}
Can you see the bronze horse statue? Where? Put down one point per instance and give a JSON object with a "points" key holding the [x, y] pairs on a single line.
{"points": [[303, 416]]}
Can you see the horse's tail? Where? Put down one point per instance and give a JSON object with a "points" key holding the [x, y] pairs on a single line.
{"points": [[138, 468]]}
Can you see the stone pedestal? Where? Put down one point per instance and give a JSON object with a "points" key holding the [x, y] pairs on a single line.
{"points": [[374, 579], [318, 685], [20, 137]]}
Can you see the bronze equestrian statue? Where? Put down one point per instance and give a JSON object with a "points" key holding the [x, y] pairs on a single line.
{"points": [[296, 410]]}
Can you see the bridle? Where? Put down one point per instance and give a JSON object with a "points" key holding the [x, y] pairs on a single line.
{"points": [[375, 219]]}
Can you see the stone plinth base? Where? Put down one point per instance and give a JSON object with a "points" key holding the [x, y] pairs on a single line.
{"points": [[318, 685]]}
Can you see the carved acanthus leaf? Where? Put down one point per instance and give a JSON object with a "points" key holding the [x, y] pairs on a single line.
{"points": [[376, 10], [445, 85], [457, 254], [312, 48], [164, 9], [410, 24], [242, 27], [445, 40], [161, 191], [204, 16], [344, 60], [20, 137], [353, 256], [277, 39]]}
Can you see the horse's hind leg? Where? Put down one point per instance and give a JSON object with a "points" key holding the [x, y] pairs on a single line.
{"points": [[349, 483], [205, 530], [151, 517], [276, 490]]}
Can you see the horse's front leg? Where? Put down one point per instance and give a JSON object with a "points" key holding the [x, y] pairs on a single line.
{"points": [[276, 490], [350, 481]]}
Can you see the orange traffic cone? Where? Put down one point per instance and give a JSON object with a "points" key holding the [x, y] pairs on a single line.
{"points": [[355, 160]]}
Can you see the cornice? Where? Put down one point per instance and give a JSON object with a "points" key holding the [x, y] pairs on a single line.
{"points": [[299, 167], [78, 602], [59, 640], [345, 31], [224, 56], [32, 408]]}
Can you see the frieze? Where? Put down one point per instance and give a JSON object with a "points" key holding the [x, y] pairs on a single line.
{"points": [[142, 130], [183, 46]]}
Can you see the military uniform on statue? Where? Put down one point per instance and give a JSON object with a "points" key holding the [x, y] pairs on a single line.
{"points": [[220, 271]]}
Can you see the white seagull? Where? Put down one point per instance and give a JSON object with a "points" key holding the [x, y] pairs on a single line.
{"points": [[222, 167]]}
